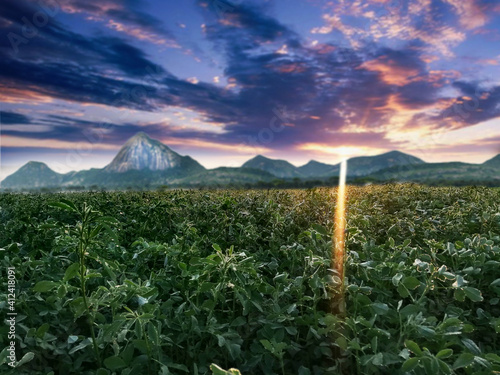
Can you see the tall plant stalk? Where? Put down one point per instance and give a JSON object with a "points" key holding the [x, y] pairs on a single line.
{"points": [[85, 234]]}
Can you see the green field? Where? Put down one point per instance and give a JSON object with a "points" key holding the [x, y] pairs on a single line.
{"points": [[172, 282]]}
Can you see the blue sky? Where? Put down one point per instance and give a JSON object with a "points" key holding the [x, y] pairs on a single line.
{"points": [[223, 81]]}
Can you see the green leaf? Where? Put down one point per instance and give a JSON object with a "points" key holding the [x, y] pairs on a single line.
{"points": [[320, 229], [80, 346], [26, 358], [459, 295], [153, 334], [3, 355], [464, 360], [64, 205], [44, 286], [473, 294], [413, 346], [72, 339], [48, 226], [239, 321], [471, 345], [233, 349], [71, 271], [266, 344], [403, 292], [445, 353], [138, 329], [378, 359], [108, 220], [114, 363], [111, 232], [410, 364], [483, 362], [40, 332], [304, 371], [411, 282], [380, 308], [492, 357], [396, 279], [444, 367]]}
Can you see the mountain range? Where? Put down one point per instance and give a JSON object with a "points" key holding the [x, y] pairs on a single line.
{"points": [[144, 162]]}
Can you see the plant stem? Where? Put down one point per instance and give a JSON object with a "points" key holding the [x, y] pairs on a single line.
{"points": [[83, 243]]}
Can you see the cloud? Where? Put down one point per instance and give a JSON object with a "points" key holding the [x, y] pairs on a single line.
{"points": [[119, 16], [473, 13], [396, 67], [282, 90], [416, 21], [75, 130], [475, 105], [13, 118]]}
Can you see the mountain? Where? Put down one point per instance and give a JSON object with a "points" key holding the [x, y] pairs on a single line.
{"points": [[144, 162], [495, 162], [141, 162], [316, 169], [366, 165], [455, 173], [142, 152], [358, 166], [32, 175], [278, 168]]}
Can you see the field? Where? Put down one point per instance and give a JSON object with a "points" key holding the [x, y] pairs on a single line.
{"points": [[172, 282]]}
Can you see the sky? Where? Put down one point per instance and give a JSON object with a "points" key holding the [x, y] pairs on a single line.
{"points": [[224, 81]]}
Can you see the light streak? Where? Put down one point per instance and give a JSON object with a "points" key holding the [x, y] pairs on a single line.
{"points": [[338, 250]]}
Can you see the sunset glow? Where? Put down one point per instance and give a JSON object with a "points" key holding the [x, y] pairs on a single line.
{"points": [[293, 80]]}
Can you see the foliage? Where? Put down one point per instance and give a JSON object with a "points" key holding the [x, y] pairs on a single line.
{"points": [[176, 282]]}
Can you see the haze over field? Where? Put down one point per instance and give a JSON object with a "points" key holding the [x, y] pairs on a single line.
{"points": [[225, 81]]}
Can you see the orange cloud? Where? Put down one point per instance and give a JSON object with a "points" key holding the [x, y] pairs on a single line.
{"points": [[27, 95], [390, 71], [289, 68], [439, 78], [98, 13], [10, 141], [470, 13], [141, 34]]}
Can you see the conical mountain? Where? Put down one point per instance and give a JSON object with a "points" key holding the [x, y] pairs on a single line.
{"points": [[142, 153], [32, 175]]}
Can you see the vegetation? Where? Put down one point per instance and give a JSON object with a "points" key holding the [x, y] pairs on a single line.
{"points": [[195, 282]]}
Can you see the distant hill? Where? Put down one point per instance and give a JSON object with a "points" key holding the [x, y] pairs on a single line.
{"points": [[33, 175], [144, 162], [453, 173], [316, 169], [360, 166], [365, 165], [278, 168], [495, 162]]}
